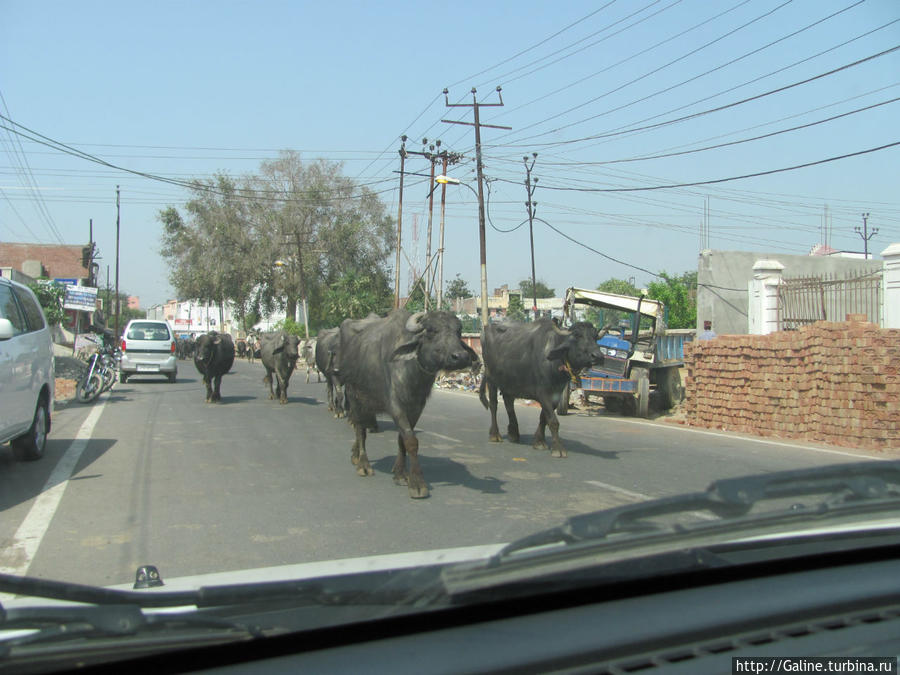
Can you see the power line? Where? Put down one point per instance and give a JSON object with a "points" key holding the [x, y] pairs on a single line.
{"points": [[722, 180]]}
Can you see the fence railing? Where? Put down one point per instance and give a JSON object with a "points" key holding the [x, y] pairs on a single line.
{"points": [[804, 300]]}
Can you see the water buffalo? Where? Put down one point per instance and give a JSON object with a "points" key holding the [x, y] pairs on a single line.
{"points": [[213, 356], [279, 352], [327, 344], [389, 365], [534, 361]]}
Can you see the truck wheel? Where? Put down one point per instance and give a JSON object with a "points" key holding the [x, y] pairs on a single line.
{"points": [[642, 392], [669, 386]]}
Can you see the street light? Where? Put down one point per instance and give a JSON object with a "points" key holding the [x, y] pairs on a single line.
{"points": [[447, 180]]}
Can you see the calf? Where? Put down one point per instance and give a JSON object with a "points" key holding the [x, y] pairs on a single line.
{"points": [[213, 357], [279, 352], [534, 361], [389, 365]]}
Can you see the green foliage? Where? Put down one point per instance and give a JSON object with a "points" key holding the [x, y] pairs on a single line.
{"points": [[457, 288], [330, 237], [543, 290], [516, 311], [354, 296], [291, 326], [679, 295], [611, 317], [50, 296]]}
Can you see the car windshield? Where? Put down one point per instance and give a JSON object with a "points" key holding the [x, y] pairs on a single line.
{"points": [[434, 300], [141, 330]]}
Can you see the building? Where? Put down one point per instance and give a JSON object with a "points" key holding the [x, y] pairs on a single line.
{"points": [[53, 261]]}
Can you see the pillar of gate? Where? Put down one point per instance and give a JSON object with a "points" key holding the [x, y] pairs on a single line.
{"points": [[890, 286], [762, 289]]}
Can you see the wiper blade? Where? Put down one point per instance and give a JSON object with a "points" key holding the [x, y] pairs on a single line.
{"points": [[726, 498], [52, 624]]}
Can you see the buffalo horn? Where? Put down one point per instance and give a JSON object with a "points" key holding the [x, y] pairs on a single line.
{"points": [[414, 323]]}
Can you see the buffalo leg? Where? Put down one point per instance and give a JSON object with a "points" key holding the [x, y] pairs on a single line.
{"points": [[540, 441], [548, 414], [401, 477], [512, 429], [217, 394], [209, 392], [363, 468], [282, 389], [267, 380], [494, 433]]}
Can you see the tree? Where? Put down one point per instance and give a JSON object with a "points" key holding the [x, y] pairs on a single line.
{"points": [[679, 295], [543, 290], [457, 288], [50, 296], [516, 311], [611, 317], [294, 231]]}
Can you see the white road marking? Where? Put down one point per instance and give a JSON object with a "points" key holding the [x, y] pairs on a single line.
{"points": [[735, 436], [28, 537], [621, 491], [441, 436], [642, 497]]}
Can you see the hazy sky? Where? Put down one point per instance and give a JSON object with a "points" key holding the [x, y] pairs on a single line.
{"points": [[186, 89]]}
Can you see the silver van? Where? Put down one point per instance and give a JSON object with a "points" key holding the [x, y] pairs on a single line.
{"points": [[27, 375], [148, 348]]}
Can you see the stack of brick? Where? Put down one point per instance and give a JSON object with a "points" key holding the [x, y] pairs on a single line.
{"points": [[835, 383]]}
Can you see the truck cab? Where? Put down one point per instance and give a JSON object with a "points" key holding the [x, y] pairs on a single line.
{"points": [[640, 355]]}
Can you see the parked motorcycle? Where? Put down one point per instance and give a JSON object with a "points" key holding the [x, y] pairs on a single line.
{"points": [[100, 374]]}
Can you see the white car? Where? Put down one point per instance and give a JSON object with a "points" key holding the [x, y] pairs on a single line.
{"points": [[27, 375], [148, 348]]}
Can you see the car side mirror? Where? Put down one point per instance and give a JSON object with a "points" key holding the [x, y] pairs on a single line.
{"points": [[6, 329]]}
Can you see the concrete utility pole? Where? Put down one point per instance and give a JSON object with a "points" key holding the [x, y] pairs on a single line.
{"points": [[446, 160], [531, 206], [399, 224], [864, 233], [118, 220], [476, 106]]}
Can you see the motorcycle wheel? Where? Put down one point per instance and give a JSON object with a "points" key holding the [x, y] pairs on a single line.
{"points": [[89, 389]]}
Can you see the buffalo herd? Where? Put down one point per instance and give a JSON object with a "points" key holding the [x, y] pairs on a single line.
{"points": [[388, 364]]}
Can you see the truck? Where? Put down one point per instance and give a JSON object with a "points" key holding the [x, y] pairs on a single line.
{"points": [[640, 356]]}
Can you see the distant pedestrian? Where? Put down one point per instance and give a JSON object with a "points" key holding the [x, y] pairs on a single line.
{"points": [[707, 333]]}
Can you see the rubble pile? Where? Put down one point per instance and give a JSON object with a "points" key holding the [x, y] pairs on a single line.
{"points": [[830, 382], [460, 379]]}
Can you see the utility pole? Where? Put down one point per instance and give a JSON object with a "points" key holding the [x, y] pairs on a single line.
{"points": [[118, 221], [531, 206], [476, 106], [864, 233], [399, 224], [446, 160]]}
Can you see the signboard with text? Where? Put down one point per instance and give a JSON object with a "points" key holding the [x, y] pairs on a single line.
{"points": [[82, 298]]}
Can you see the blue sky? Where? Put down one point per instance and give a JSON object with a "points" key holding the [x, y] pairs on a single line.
{"points": [[187, 89]]}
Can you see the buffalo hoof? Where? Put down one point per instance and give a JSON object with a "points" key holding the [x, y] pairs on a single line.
{"points": [[559, 453], [513, 436], [401, 479], [495, 438], [418, 492], [540, 444], [365, 470], [283, 401]]}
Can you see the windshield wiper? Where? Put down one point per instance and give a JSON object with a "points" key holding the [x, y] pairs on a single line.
{"points": [[841, 484], [53, 624]]}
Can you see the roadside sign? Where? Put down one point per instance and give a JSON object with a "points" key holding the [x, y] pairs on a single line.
{"points": [[82, 298]]}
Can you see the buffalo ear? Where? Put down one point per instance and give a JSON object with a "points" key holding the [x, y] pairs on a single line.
{"points": [[217, 340], [405, 350], [559, 352]]}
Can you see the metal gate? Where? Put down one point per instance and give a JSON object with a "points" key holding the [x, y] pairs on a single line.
{"points": [[804, 300]]}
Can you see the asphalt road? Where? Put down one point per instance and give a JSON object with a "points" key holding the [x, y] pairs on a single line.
{"points": [[153, 474]]}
